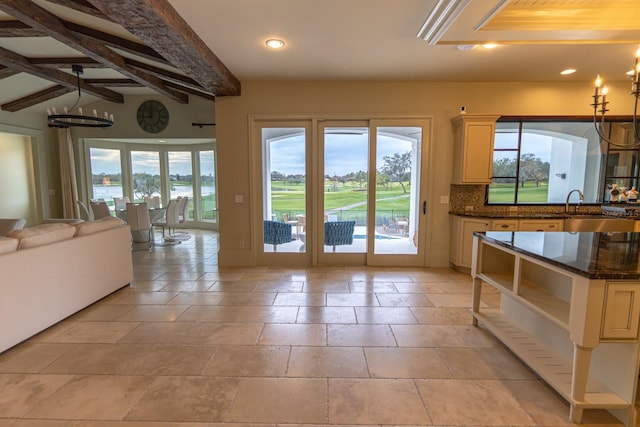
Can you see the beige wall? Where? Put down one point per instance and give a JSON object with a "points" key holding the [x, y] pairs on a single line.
{"points": [[439, 100], [17, 183]]}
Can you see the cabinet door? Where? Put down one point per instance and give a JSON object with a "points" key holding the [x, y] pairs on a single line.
{"points": [[621, 311], [473, 148], [468, 227], [540, 225]]}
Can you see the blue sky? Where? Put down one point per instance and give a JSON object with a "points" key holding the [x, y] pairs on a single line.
{"points": [[343, 153], [108, 161]]}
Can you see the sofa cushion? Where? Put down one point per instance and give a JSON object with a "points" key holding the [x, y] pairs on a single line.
{"points": [[42, 234], [8, 244], [8, 224], [90, 227], [70, 221]]}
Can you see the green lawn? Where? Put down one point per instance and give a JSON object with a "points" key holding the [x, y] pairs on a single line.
{"points": [[504, 193], [290, 198]]}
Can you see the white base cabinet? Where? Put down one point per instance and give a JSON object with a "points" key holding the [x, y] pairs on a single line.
{"points": [[462, 228], [580, 335]]}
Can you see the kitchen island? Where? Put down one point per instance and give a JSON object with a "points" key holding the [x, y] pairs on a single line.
{"points": [[569, 308]]}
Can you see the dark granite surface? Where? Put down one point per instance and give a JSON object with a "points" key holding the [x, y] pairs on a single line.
{"points": [[498, 215], [592, 255]]}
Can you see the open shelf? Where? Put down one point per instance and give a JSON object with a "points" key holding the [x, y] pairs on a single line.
{"points": [[497, 266], [554, 368], [546, 290]]}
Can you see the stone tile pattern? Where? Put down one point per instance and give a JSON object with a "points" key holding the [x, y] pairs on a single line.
{"points": [[192, 344]]}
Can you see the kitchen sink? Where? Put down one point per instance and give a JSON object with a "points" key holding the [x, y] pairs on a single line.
{"points": [[597, 223]]}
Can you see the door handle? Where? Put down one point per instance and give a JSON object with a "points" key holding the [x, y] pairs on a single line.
{"points": [[424, 207]]}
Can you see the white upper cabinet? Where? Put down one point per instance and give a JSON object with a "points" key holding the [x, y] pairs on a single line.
{"points": [[473, 137]]}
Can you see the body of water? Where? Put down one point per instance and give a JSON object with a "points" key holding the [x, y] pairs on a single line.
{"points": [[108, 192]]}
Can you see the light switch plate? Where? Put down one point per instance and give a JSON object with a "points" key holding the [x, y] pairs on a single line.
{"points": [[444, 199], [239, 198]]}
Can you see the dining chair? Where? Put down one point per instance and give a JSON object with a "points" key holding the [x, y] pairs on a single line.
{"points": [[183, 204], [121, 202], [168, 223], [152, 201], [138, 220], [100, 209], [84, 211]]}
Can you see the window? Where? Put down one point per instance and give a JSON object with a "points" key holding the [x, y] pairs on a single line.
{"points": [[136, 170], [538, 161], [180, 175], [208, 199], [145, 171], [106, 174]]}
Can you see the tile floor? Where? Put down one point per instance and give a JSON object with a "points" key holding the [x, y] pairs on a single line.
{"points": [[191, 344]]}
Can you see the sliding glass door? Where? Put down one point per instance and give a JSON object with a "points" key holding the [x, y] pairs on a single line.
{"points": [[354, 195]]}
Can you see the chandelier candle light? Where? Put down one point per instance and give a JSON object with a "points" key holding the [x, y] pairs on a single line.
{"points": [[600, 106], [68, 119]]}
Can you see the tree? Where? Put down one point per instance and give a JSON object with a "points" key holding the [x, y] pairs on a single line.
{"points": [[396, 167], [532, 169], [361, 177], [145, 185]]}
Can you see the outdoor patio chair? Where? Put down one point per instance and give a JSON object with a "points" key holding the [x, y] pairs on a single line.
{"points": [[338, 233], [277, 233]]}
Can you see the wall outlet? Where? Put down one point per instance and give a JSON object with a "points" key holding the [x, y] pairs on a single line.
{"points": [[241, 244], [239, 198], [468, 208]]}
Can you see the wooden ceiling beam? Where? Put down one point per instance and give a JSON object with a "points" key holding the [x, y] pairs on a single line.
{"points": [[125, 45], [14, 28], [7, 72], [36, 98], [22, 64], [190, 91], [66, 62], [37, 17], [80, 5], [157, 24], [113, 82], [166, 74]]}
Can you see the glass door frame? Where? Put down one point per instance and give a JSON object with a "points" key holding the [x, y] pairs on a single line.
{"points": [[314, 159], [420, 205], [259, 184]]}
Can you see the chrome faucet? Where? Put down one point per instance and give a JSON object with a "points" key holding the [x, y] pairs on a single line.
{"points": [[566, 205]]}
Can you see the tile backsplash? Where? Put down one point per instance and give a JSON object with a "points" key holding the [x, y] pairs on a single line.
{"points": [[463, 196]]}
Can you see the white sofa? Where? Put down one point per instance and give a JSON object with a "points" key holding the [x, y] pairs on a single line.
{"points": [[51, 271], [9, 224]]}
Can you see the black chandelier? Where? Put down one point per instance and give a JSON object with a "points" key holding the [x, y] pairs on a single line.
{"points": [[600, 107], [69, 119]]}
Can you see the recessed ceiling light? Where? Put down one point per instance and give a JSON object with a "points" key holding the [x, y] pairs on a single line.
{"points": [[465, 47], [568, 71], [275, 43], [489, 45]]}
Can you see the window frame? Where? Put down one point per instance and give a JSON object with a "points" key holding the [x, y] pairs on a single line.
{"points": [[521, 120]]}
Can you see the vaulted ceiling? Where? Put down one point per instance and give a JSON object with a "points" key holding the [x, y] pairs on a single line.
{"points": [[203, 48], [133, 43]]}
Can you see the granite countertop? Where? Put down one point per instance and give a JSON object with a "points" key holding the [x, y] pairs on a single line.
{"points": [[591, 255], [515, 215]]}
